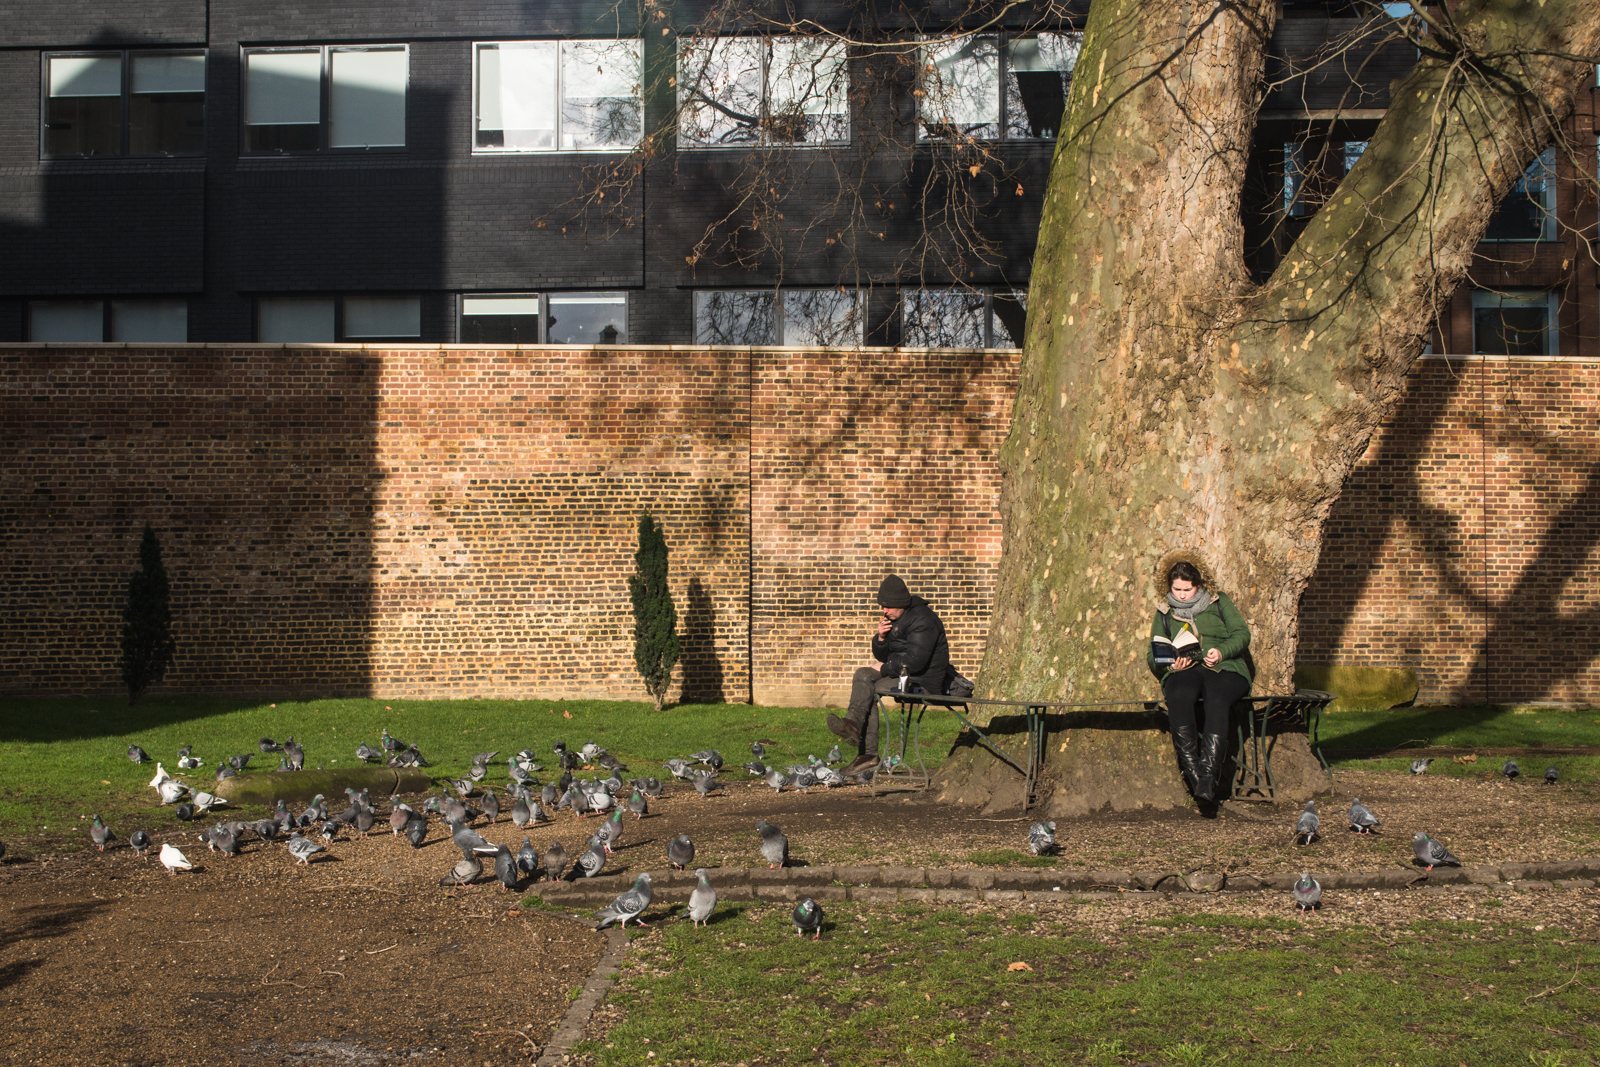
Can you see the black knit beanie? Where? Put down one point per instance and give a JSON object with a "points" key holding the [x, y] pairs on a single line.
{"points": [[893, 593]]}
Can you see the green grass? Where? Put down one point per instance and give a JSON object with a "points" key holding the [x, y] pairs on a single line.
{"points": [[65, 758], [1005, 857], [916, 984], [1479, 726]]}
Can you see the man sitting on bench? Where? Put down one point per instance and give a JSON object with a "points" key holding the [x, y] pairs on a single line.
{"points": [[909, 651]]}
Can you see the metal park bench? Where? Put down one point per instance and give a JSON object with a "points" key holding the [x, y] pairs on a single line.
{"points": [[1253, 719]]}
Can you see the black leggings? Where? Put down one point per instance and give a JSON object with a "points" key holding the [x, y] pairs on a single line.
{"points": [[1219, 688]]}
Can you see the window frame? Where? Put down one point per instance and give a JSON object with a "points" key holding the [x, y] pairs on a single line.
{"points": [[339, 335], [990, 293], [780, 316], [1525, 298], [478, 46], [763, 128], [107, 316], [324, 98], [1547, 160], [543, 296], [1003, 41], [125, 58]]}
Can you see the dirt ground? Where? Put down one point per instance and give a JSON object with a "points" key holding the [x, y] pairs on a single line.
{"points": [[362, 958]]}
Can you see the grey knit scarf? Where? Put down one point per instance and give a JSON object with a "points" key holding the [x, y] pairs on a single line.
{"points": [[1186, 610]]}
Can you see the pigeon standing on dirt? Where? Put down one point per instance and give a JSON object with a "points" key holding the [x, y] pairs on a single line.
{"points": [[139, 841], [1307, 892], [1431, 853], [184, 812], [303, 848], [520, 815], [1550, 775], [1309, 826], [774, 846], [160, 776], [638, 804], [466, 870], [100, 833], [679, 769], [1420, 766], [777, 779], [491, 805], [555, 861], [505, 868], [706, 783], [703, 900], [1042, 838], [807, 917], [1510, 769], [680, 852], [610, 832], [416, 830], [527, 857], [628, 905], [174, 861], [137, 754], [590, 863], [1362, 820]]}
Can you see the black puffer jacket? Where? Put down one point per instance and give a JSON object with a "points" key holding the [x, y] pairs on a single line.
{"points": [[917, 641]]}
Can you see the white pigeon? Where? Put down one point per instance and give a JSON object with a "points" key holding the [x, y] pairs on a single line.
{"points": [[161, 776], [172, 791], [204, 802], [174, 861]]}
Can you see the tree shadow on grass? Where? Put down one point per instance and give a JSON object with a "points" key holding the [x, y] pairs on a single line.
{"points": [[45, 719]]}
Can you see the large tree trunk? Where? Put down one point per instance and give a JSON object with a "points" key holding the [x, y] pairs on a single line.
{"points": [[1167, 402]]}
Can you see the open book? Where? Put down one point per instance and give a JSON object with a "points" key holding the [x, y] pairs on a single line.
{"points": [[1168, 649]]}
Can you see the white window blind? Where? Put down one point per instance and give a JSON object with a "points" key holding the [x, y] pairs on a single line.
{"points": [[66, 320], [382, 316], [86, 75], [517, 93], [367, 98], [294, 319], [150, 320], [283, 88], [600, 94], [169, 74]]}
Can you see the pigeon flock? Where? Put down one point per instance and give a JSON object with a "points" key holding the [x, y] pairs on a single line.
{"points": [[533, 803]]}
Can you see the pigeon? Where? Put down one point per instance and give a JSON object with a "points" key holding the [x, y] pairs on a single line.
{"points": [[638, 805], [224, 772], [468, 840], [330, 830], [590, 751], [611, 763], [364, 820], [399, 815], [555, 861], [777, 779], [174, 861], [222, 839], [804, 780], [628, 905], [184, 812], [466, 870], [491, 805], [527, 858], [161, 776], [1307, 892], [505, 868], [705, 784], [774, 846], [281, 816], [756, 768], [703, 900], [389, 743], [574, 801], [827, 776], [610, 832], [265, 829], [366, 753], [680, 852], [239, 763], [416, 830], [204, 802], [590, 863], [137, 754], [834, 755], [139, 841], [1042, 838], [651, 787], [186, 750], [1420, 766], [807, 916], [600, 800], [303, 848], [1361, 820], [679, 769], [190, 763], [1510, 769], [1550, 775], [758, 750], [521, 817], [283, 766], [1431, 853], [296, 754], [172, 791], [268, 746], [100, 833], [1309, 826]]}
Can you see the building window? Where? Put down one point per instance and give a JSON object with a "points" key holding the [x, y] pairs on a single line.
{"points": [[1514, 323], [962, 318], [1528, 213], [550, 96], [996, 88], [136, 320], [325, 97], [124, 104], [327, 319], [550, 318], [814, 318], [739, 91]]}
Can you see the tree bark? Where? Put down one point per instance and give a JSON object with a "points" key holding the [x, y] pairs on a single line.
{"points": [[1169, 403]]}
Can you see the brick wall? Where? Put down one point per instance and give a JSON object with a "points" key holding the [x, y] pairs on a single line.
{"points": [[450, 521]]}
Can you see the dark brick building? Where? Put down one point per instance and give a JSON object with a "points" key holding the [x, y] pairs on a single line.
{"points": [[471, 172]]}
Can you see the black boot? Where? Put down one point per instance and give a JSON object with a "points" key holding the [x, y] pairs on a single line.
{"points": [[1186, 740], [1212, 754]]}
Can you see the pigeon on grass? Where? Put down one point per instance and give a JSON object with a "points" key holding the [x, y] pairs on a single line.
{"points": [[628, 905], [1042, 838], [1307, 893], [703, 900], [1309, 826], [807, 918], [774, 846], [1510, 769], [1420, 766], [1362, 821], [137, 754], [1431, 853], [1550, 775]]}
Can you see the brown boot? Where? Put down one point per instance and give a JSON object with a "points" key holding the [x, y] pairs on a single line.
{"points": [[861, 763], [844, 728]]}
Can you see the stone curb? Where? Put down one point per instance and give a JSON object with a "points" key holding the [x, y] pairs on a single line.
{"points": [[882, 885], [570, 1030]]}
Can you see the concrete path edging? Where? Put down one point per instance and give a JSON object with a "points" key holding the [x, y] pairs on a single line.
{"points": [[569, 1031]]}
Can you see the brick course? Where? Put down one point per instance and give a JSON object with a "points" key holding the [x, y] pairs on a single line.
{"points": [[447, 521]]}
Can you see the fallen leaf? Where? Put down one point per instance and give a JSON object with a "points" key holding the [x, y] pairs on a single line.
{"points": [[566, 714], [1019, 966]]}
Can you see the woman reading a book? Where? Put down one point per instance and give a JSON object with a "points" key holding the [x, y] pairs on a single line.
{"points": [[1198, 643]]}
